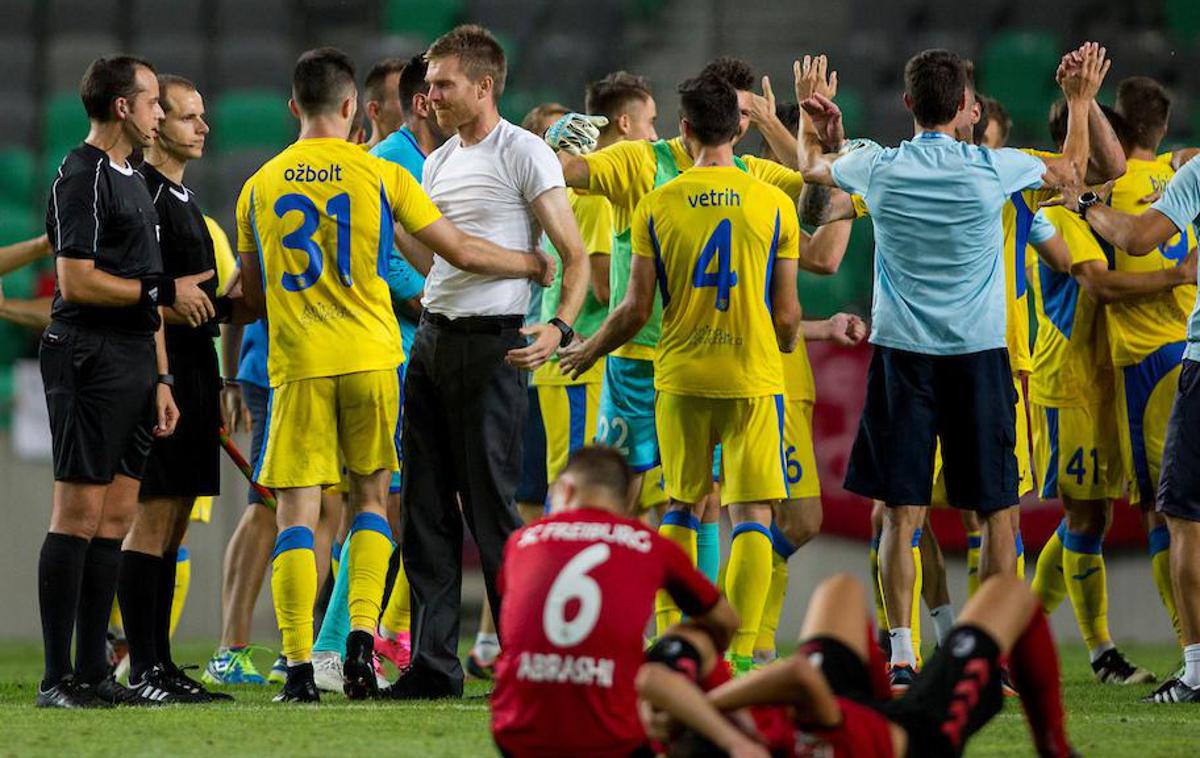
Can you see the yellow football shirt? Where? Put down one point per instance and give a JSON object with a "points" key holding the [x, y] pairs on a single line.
{"points": [[320, 216], [226, 260], [1071, 365], [1137, 328], [714, 234]]}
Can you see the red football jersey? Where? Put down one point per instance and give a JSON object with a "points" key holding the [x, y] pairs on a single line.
{"points": [[863, 733], [578, 589]]}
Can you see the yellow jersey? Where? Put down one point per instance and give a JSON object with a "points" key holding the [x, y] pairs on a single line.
{"points": [[714, 234], [1071, 364], [226, 261], [320, 216], [1137, 328]]}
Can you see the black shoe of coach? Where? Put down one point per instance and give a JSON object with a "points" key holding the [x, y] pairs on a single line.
{"points": [[69, 694], [412, 686]]}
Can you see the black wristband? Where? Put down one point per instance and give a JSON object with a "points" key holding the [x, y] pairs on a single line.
{"points": [[158, 290], [224, 308]]}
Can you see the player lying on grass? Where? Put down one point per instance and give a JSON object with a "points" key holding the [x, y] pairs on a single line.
{"points": [[831, 697], [578, 590]]}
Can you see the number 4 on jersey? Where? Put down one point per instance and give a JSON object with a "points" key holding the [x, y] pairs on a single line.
{"points": [[720, 245]]}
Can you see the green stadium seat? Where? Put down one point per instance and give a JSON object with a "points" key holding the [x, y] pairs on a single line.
{"points": [[1017, 68], [17, 175], [19, 222], [249, 119], [65, 125], [1182, 19], [426, 18]]}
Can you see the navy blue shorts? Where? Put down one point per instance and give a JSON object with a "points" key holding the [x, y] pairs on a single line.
{"points": [[1179, 482], [533, 487], [968, 401]]}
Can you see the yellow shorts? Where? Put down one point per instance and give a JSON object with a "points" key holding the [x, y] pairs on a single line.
{"points": [[800, 458], [750, 430], [1021, 450], [202, 509], [1145, 394], [309, 421], [654, 489], [1078, 452], [569, 415]]}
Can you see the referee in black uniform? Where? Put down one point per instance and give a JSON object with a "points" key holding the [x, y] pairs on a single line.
{"points": [[100, 357], [185, 465]]}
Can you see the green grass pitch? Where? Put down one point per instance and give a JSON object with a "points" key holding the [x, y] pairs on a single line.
{"points": [[1103, 721]]}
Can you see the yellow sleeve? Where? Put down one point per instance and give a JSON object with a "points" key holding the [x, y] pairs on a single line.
{"points": [[621, 171], [246, 237], [410, 205], [594, 215], [789, 230], [1166, 158], [860, 206], [1077, 234], [776, 174], [1035, 196], [226, 262], [640, 238]]}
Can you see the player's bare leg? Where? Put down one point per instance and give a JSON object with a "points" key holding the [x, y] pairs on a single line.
{"points": [[294, 586], [1185, 577], [635, 495], [369, 551], [934, 588], [329, 528], [747, 576], [246, 559], [881, 620], [833, 611], [897, 570], [998, 553]]}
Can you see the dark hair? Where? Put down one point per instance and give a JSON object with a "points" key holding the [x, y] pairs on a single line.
{"points": [[710, 106], [601, 467], [733, 70], [934, 81], [609, 96], [323, 77], [1145, 106], [412, 80], [994, 110], [107, 79], [789, 114], [373, 85], [478, 52], [1058, 122], [691, 744], [165, 82]]}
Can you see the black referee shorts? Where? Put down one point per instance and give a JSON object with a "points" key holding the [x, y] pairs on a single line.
{"points": [[100, 393], [188, 463], [1179, 482], [968, 401]]}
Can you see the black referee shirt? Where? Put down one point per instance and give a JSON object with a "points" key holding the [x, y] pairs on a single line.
{"points": [[187, 247], [104, 213]]}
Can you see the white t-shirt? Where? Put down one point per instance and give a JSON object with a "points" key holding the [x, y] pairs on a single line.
{"points": [[486, 189]]}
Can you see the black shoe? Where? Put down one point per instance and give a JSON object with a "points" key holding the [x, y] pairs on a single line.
{"points": [[884, 640], [190, 687], [300, 687], [410, 686], [111, 692], [156, 688], [1174, 691], [1115, 668], [68, 694], [358, 670]]}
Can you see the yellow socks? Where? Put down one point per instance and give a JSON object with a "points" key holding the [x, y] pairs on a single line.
{"points": [[397, 616], [1087, 586], [783, 549], [1020, 558], [747, 582], [294, 589], [1048, 582], [680, 527], [881, 621], [1160, 544], [183, 580], [918, 584], [370, 542], [974, 542], [335, 559]]}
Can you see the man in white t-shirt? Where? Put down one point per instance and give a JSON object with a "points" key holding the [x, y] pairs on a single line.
{"points": [[465, 396]]}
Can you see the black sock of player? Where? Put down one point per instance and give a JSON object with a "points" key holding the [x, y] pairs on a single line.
{"points": [[100, 569], [137, 590], [162, 606], [60, 572]]}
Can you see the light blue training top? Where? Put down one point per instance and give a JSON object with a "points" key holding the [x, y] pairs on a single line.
{"points": [[404, 281], [939, 263], [1181, 205]]}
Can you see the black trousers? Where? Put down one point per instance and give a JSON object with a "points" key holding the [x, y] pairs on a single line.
{"points": [[464, 418]]}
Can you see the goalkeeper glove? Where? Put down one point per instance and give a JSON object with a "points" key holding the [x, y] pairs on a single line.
{"points": [[576, 133]]}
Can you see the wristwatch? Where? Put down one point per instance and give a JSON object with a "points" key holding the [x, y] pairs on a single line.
{"points": [[568, 333], [1086, 200], [167, 379]]}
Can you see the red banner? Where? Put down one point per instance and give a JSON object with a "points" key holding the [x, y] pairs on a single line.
{"points": [[841, 377]]}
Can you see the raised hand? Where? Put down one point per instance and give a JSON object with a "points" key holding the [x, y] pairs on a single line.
{"points": [[762, 107], [814, 78], [826, 118], [846, 329], [1084, 81]]}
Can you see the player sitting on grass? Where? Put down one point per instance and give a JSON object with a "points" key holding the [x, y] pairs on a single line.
{"points": [[825, 699], [578, 590]]}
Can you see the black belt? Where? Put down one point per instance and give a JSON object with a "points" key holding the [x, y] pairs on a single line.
{"points": [[473, 324]]}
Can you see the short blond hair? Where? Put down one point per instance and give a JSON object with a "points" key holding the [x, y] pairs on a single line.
{"points": [[478, 52]]}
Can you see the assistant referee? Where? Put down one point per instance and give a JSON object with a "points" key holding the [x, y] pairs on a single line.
{"points": [[100, 357]]}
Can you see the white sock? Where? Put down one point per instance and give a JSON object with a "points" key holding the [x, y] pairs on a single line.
{"points": [[943, 621], [1095, 653], [293, 664], [387, 634], [487, 647], [1191, 665], [902, 647]]}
